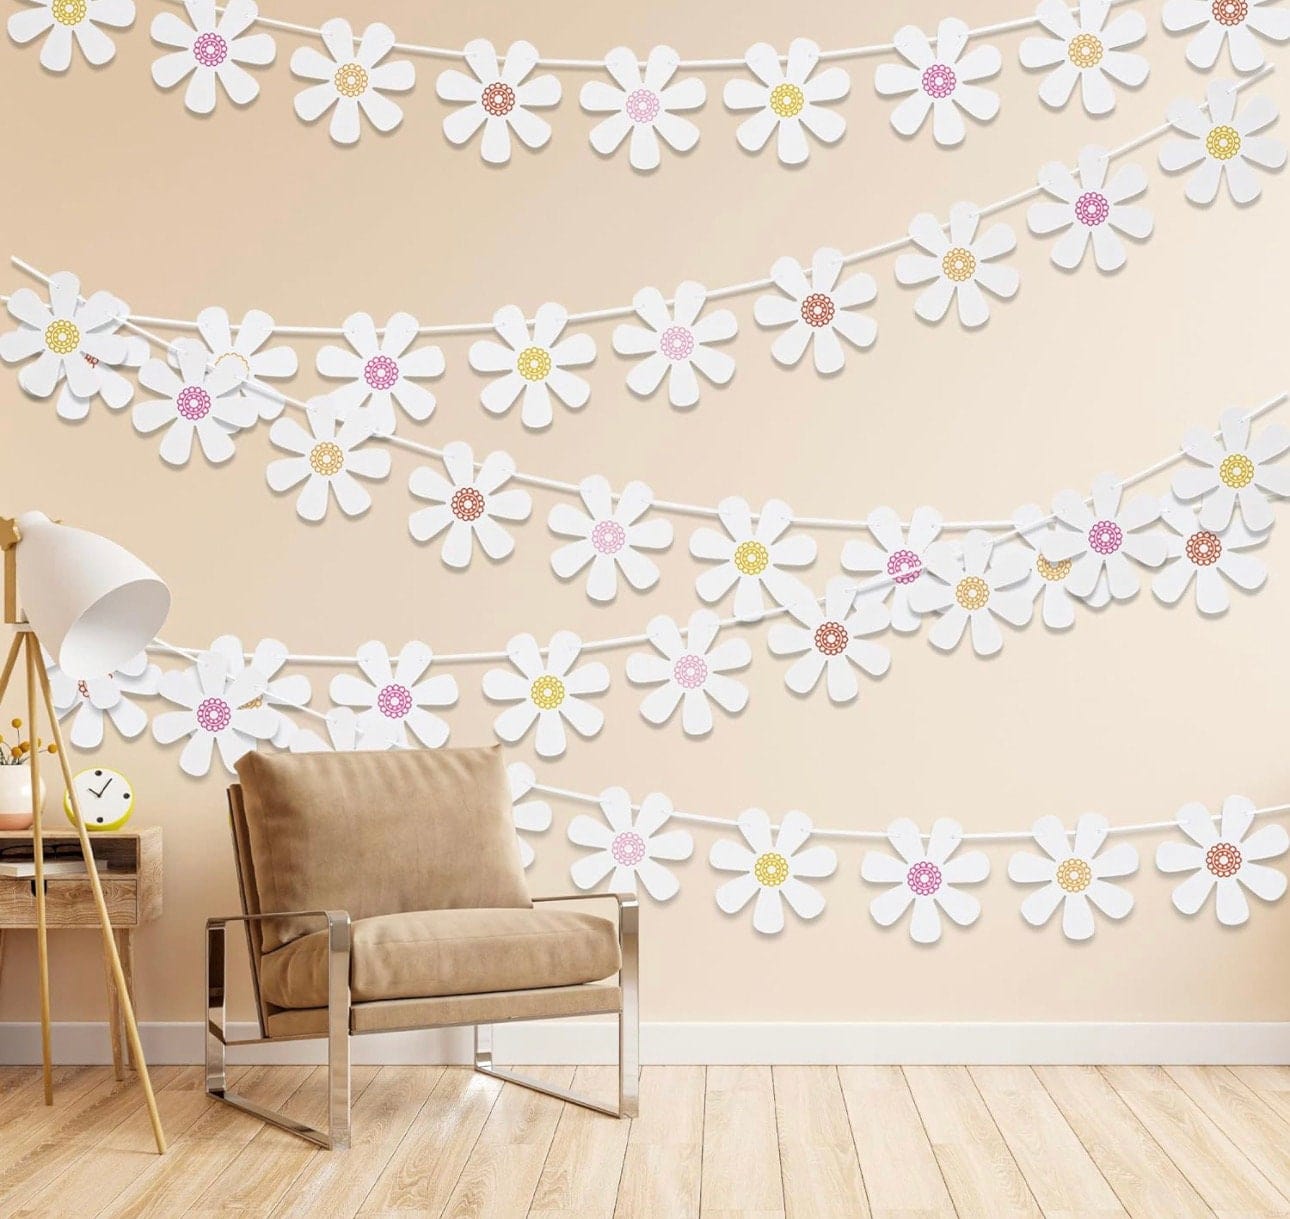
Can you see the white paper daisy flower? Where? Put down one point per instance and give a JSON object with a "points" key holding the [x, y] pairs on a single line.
{"points": [[627, 846], [211, 48], [266, 663], [536, 364], [200, 401], [610, 537], [468, 504], [1214, 559], [1034, 538], [831, 638], [247, 355], [500, 99], [530, 816], [787, 97], [382, 370], [548, 692], [218, 710], [676, 343], [1084, 48], [817, 310], [643, 105], [327, 461], [1089, 208], [1074, 875], [751, 558], [1099, 540], [352, 80], [958, 264], [67, 20], [1223, 142], [1232, 21], [75, 342], [342, 735], [100, 696], [897, 557], [1222, 857], [690, 669], [939, 81], [773, 866], [975, 584], [1235, 470], [395, 697], [926, 877]]}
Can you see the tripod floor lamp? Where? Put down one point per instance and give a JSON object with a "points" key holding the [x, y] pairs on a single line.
{"points": [[92, 606]]}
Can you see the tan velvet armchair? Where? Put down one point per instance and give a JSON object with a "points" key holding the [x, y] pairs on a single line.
{"points": [[383, 892]]}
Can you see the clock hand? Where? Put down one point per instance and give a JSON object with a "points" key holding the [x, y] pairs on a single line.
{"points": [[98, 795]]}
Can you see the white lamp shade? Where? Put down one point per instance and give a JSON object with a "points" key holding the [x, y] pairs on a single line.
{"points": [[91, 603]]}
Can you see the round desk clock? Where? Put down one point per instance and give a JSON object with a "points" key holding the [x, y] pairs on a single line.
{"points": [[106, 798]]}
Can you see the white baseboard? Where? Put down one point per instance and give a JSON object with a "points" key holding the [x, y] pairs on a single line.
{"points": [[595, 1041]]}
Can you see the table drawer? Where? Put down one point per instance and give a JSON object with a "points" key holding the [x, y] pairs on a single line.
{"points": [[69, 902]]}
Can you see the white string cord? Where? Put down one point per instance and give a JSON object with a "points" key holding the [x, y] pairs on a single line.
{"points": [[730, 823], [839, 53], [721, 293]]}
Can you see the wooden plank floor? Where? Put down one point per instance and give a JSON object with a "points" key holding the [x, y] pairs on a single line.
{"points": [[712, 1143]]}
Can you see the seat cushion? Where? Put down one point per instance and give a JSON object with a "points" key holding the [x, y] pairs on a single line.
{"points": [[429, 953], [377, 833]]}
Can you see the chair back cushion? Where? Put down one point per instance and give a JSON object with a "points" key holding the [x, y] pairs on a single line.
{"points": [[379, 833]]}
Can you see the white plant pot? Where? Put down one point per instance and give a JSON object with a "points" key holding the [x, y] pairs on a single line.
{"points": [[15, 797]]}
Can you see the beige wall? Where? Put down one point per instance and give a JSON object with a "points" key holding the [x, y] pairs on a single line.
{"points": [[1136, 711]]}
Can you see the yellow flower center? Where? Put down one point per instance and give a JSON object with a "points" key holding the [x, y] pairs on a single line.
{"points": [[62, 337], [547, 692], [534, 364], [350, 79], [751, 558], [1053, 571], [1237, 471], [787, 100], [972, 593], [771, 869], [235, 357], [257, 701], [958, 264], [327, 458], [1085, 50], [69, 12], [1223, 142], [1074, 875]]}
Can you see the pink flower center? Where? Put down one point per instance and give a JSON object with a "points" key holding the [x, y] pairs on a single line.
{"points": [[83, 688], [939, 80], [394, 701], [210, 50], [677, 342], [467, 504], [904, 566], [1230, 12], [380, 372], [1092, 209], [1204, 548], [627, 848], [831, 638], [690, 671], [193, 403], [608, 537], [214, 714], [1223, 860], [498, 99], [642, 106], [817, 310], [1106, 537], [924, 878]]}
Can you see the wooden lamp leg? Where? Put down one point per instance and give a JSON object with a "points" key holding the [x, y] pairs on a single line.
{"points": [[111, 956], [35, 662]]}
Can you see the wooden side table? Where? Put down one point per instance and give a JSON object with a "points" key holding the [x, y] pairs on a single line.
{"points": [[129, 866]]}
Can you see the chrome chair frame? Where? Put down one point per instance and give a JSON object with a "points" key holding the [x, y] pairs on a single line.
{"points": [[337, 1134]]}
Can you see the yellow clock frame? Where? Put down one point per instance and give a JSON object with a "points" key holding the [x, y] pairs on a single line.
{"points": [[83, 780]]}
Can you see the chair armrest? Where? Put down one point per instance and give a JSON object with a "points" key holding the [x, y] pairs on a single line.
{"points": [[338, 923]]}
